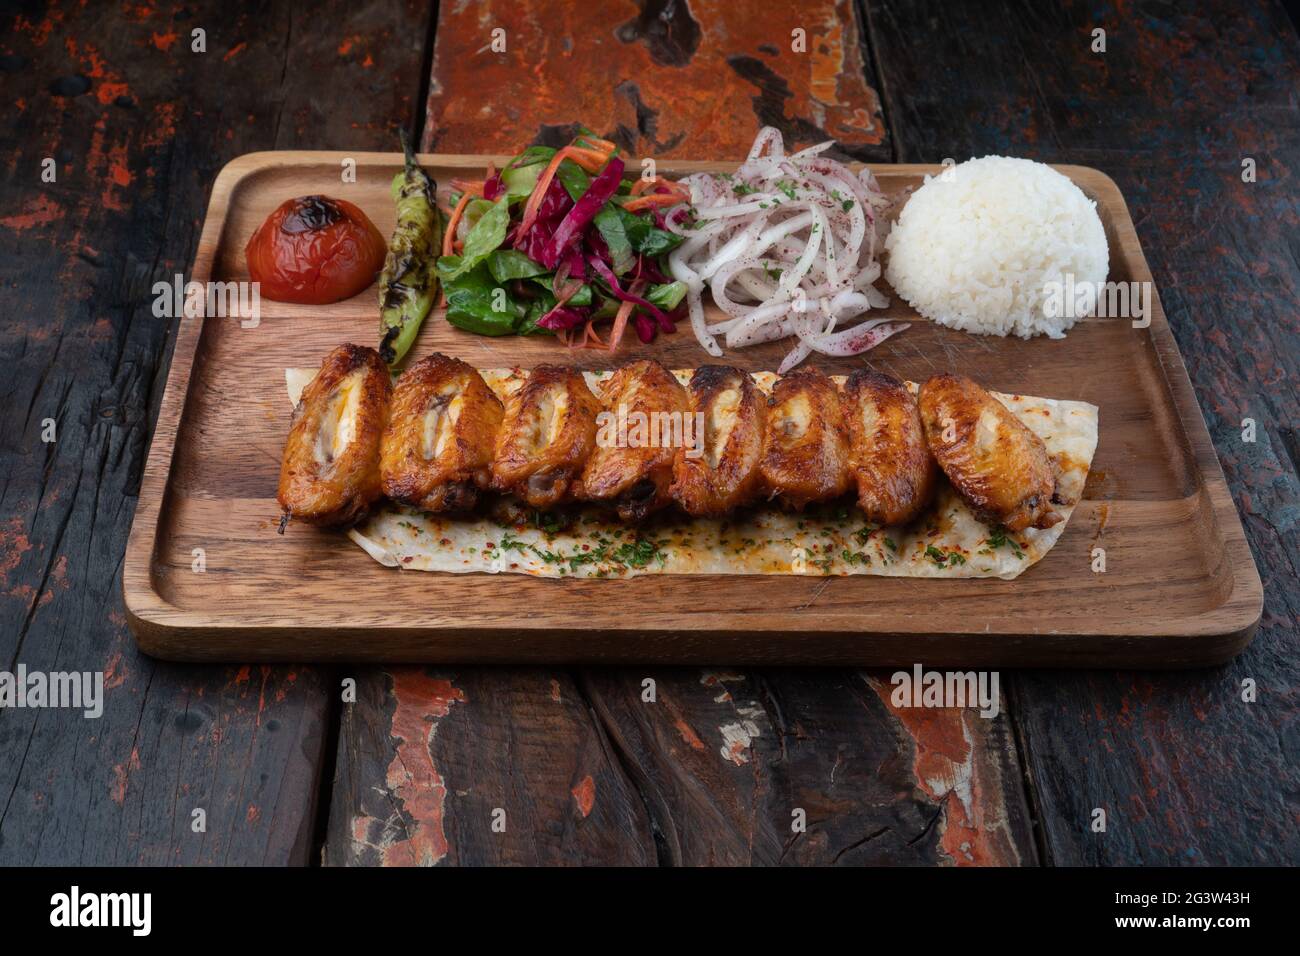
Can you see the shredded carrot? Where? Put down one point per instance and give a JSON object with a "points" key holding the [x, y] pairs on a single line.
{"points": [[620, 323], [539, 190], [568, 337], [467, 186], [604, 144], [449, 236], [654, 199], [593, 161], [654, 182]]}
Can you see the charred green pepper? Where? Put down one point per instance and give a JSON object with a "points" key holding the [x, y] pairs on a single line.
{"points": [[408, 286]]}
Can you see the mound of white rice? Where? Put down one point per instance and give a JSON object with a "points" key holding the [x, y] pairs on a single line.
{"points": [[977, 249]]}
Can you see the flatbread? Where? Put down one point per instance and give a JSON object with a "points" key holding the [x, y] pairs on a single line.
{"points": [[947, 542]]}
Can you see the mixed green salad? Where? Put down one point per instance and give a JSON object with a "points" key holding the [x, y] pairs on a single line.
{"points": [[559, 242]]}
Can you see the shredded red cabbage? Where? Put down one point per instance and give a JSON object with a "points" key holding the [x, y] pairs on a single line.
{"points": [[555, 203], [606, 273], [584, 210], [564, 317]]}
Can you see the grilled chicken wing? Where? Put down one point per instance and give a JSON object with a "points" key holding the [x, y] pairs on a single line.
{"points": [[805, 448], [723, 473], [632, 464], [330, 471], [891, 461], [437, 450], [995, 463], [547, 435]]}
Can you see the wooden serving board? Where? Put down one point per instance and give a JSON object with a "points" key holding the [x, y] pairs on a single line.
{"points": [[1180, 587]]}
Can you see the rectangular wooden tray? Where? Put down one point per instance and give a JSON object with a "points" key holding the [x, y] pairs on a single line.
{"points": [[1180, 587]]}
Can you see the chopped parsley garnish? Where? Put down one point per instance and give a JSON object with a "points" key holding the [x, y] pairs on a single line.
{"points": [[1000, 539], [640, 554], [510, 543], [629, 554], [951, 559]]}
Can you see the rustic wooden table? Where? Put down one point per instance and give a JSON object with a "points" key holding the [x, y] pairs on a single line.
{"points": [[138, 121]]}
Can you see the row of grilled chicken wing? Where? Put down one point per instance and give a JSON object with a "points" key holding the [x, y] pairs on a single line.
{"points": [[441, 436]]}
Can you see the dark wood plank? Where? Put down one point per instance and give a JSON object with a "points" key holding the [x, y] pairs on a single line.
{"points": [[727, 760], [1187, 772], [139, 125], [480, 767], [660, 77]]}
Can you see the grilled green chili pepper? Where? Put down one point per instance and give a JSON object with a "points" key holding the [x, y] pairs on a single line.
{"points": [[408, 285]]}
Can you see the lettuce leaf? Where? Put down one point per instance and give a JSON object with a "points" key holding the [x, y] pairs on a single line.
{"points": [[507, 264], [486, 235], [477, 304], [668, 295]]}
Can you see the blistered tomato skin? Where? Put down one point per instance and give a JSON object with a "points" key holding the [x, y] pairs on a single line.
{"points": [[313, 250]]}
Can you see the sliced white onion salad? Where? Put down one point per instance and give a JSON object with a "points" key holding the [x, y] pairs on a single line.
{"points": [[787, 247]]}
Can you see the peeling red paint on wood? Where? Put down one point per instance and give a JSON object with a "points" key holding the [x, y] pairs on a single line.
{"points": [[15, 544], [510, 753], [121, 777], [688, 734], [108, 84], [828, 746], [954, 767], [584, 794], [693, 79], [37, 212], [413, 782]]}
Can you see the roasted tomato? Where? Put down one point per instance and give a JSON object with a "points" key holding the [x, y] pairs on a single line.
{"points": [[315, 250]]}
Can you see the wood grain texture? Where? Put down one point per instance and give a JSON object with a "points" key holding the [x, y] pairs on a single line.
{"points": [[728, 759], [211, 476], [1187, 771], [139, 125], [663, 78], [480, 767]]}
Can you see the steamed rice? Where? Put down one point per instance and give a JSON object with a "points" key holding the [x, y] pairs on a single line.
{"points": [[977, 250]]}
